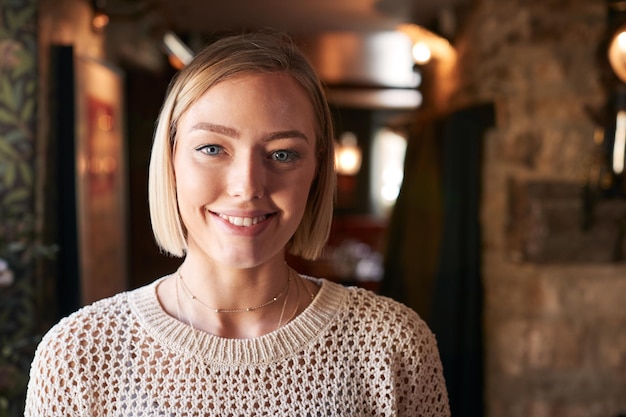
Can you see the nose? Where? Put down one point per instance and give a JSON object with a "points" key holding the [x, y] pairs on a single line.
{"points": [[247, 177]]}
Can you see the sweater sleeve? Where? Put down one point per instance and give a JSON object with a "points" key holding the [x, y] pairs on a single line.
{"points": [[430, 384], [401, 357], [57, 384], [419, 374]]}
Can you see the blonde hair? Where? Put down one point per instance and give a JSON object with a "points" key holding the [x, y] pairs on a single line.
{"points": [[225, 58]]}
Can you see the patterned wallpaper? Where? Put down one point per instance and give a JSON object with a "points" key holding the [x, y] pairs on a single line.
{"points": [[18, 96], [18, 77]]}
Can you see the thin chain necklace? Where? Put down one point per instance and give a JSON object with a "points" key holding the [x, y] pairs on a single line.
{"points": [[181, 316], [295, 311], [282, 311], [234, 310], [311, 295]]}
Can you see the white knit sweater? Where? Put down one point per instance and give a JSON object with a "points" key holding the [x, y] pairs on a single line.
{"points": [[350, 353]]}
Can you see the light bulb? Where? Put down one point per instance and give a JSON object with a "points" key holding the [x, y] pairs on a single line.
{"points": [[421, 53]]}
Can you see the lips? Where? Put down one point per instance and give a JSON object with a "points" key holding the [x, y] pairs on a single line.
{"points": [[242, 221]]}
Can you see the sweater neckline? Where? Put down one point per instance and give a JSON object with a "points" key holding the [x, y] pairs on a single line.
{"points": [[281, 343]]}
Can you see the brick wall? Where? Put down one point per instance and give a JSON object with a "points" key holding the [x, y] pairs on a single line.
{"points": [[555, 319]]}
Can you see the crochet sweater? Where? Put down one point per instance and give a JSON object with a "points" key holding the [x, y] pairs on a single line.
{"points": [[350, 353]]}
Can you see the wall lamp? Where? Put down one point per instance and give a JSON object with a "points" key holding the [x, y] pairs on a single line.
{"points": [[605, 177], [100, 19], [427, 45], [617, 53], [347, 155]]}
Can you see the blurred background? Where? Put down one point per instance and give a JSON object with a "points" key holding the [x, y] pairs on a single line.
{"points": [[480, 157]]}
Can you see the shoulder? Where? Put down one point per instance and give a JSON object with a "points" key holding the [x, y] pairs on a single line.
{"points": [[384, 320], [72, 348], [389, 343], [377, 308], [105, 308], [100, 322], [87, 323]]}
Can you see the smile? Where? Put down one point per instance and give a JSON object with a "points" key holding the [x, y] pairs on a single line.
{"points": [[243, 221]]}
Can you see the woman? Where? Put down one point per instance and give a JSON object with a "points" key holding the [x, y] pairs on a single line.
{"points": [[241, 173]]}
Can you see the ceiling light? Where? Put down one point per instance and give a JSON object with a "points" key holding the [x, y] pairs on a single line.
{"points": [[439, 47], [177, 50], [421, 53], [347, 155]]}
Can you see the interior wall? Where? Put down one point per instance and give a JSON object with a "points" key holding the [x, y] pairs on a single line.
{"points": [[61, 22], [64, 128], [554, 321]]}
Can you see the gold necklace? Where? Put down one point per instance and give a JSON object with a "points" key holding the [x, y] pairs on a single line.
{"points": [[282, 311], [308, 291], [295, 311], [234, 310], [179, 309]]}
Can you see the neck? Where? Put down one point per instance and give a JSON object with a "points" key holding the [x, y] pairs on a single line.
{"points": [[234, 303], [233, 310], [224, 288]]}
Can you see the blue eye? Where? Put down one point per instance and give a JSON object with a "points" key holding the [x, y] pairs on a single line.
{"points": [[284, 156], [211, 149]]}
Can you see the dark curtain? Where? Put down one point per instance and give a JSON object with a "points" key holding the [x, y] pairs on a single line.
{"points": [[449, 283], [414, 234]]}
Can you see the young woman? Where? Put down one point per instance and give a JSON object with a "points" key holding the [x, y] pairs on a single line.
{"points": [[241, 173]]}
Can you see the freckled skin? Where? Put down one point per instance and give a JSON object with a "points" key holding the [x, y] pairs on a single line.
{"points": [[245, 149]]}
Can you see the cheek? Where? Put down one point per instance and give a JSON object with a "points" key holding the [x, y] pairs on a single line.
{"points": [[183, 183], [192, 187], [301, 193]]}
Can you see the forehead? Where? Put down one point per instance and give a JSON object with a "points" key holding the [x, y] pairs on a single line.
{"points": [[275, 96]]}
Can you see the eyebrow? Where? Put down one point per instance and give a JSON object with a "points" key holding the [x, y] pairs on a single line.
{"points": [[211, 127], [234, 133], [287, 134]]}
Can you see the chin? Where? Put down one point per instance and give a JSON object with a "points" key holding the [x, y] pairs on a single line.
{"points": [[248, 261]]}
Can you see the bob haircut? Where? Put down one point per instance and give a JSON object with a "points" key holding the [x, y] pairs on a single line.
{"points": [[220, 61]]}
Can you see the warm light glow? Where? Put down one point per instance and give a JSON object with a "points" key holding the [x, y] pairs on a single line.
{"points": [[421, 53], [617, 53], [348, 160], [619, 145], [621, 41], [175, 62], [99, 21], [439, 47], [347, 155], [388, 150]]}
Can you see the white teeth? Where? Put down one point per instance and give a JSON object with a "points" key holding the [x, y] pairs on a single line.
{"points": [[242, 221]]}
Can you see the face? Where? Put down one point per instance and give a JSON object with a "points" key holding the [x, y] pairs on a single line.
{"points": [[244, 161]]}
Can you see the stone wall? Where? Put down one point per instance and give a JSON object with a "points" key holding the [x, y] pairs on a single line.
{"points": [[555, 322]]}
